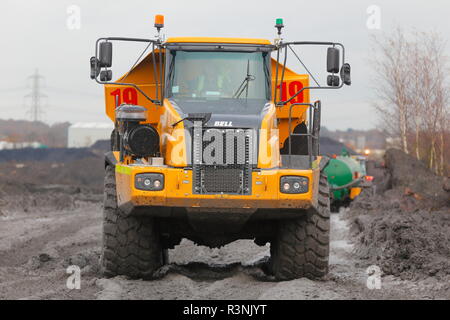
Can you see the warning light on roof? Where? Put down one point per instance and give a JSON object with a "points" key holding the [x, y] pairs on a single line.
{"points": [[279, 25], [159, 21], [367, 152]]}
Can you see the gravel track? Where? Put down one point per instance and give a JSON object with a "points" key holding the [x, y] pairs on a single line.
{"points": [[35, 250]]}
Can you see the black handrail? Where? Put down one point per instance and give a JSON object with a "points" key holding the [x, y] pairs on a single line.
{"points": [[310, 134]]}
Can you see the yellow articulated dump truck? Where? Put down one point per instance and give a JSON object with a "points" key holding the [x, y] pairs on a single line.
{"points": [[215, 140]]}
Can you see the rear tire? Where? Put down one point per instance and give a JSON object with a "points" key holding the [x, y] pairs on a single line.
{"points": [[131, 245], [115, 140], [165, 256], [301, 247]]}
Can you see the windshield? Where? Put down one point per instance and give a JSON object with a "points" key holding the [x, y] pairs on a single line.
{"points": [[218, 75]]}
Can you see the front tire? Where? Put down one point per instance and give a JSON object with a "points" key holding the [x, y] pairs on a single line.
{"points": [[131, 245], [301, 246]]}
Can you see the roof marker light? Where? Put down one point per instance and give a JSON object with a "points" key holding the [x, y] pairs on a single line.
{"points": [[279, 25], [159, 21]]}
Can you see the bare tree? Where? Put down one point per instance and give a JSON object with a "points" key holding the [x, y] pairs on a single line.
{"points": [[413, 87], [443, 128], [416, 90], [391, 85], [436, 94]]}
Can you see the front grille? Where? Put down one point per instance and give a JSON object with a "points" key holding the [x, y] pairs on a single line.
{"points": [[221, 179], [222, 160]]}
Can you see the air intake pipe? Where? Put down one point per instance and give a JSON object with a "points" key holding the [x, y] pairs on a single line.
{"points": [[137, 140]]}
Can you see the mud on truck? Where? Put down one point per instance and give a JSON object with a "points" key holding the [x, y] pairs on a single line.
{"points": [[215, 140]]}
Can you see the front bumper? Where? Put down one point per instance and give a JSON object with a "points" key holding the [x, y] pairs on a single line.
{"points": [[178, 191]]}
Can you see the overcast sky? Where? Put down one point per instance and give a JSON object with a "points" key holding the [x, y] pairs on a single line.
{"points": [[35, 35]]}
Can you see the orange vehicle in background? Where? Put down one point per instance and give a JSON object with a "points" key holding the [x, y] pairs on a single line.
{"points": [[215, 140]]}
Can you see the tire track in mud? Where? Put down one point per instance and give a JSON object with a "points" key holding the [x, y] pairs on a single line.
{"points": [[19, 253], [237, 271], [33, 264]]}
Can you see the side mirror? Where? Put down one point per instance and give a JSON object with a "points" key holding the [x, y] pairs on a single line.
{"points": [[345, 74], [106, 75], [333, 57], [95, 70], [333, 81], [105, 54]]}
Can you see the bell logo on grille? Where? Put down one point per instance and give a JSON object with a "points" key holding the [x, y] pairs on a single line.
{"points": [[223, 123]]}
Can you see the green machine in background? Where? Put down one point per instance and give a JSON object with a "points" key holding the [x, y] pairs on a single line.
{"points": [[346, 176]]}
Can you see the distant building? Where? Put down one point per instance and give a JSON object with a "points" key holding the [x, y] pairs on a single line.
{"points": [[7, 145], [85, 134], [360, 142]]}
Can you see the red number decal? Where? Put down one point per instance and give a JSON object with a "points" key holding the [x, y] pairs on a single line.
{"points": [[128, 95], [116, 95], [294, 87]]}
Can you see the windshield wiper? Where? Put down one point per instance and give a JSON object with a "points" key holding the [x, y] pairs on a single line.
{"points": [[244, 84], [192, 117]]}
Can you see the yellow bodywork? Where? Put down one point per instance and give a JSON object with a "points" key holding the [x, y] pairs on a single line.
{"points": [[178, 187], [217, 40], [354, 192], [177, 190]]}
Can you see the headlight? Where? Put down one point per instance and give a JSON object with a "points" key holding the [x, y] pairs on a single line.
{"points": [[149, 181], [293, 184]]}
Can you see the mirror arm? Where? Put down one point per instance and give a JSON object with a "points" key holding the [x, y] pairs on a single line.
{"points": [[154, 71], [157, 101], [282, 73], [125, 39], [119, 39], [285, 44], [161, 78], [276, 76], [282, 103], [304, 66], [319, 43]]}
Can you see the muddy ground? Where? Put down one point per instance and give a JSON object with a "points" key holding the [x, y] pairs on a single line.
{"points": [[44, 228]]}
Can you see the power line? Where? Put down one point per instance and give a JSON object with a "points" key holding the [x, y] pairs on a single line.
{"points": [[36, 96], [66, 91], [7, 90]]}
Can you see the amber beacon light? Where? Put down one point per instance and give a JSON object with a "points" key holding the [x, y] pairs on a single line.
{"points": [[159, 21]]}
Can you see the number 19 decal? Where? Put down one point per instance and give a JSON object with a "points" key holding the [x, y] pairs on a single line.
{"points": [[293, 87], [127, 95]]}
